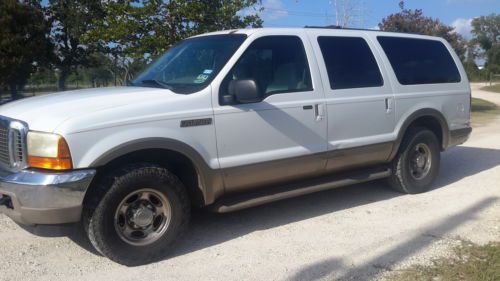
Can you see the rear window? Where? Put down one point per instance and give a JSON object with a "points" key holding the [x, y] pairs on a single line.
{"points": [[420, 61], [349, 62]]}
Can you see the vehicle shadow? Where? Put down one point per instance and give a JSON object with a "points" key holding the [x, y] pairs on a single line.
{"points": [[335, 268], [464, 161], [208, 229]]}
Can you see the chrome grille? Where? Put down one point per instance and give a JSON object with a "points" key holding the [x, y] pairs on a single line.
{"points": [[18, 147], [4, 144], [12, 143]]}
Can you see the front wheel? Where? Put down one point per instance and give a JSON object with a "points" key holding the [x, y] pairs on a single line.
{"points": [[416, 165], [143, 211]]}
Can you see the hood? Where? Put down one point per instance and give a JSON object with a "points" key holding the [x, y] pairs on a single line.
{"points": [[45, 113]]}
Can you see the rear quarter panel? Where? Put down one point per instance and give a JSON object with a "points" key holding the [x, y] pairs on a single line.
{"points": [[451, 99]]}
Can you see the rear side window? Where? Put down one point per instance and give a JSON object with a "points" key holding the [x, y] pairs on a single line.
{"points": [[420, 61], [349, 62]]}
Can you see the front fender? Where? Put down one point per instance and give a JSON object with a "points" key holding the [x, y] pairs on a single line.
{"points": [[98, 147]]}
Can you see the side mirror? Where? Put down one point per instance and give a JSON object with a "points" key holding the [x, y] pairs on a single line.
{"points": [[244, 91]]}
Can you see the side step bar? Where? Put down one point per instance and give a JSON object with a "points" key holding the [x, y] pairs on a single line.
{"points": [[246, 200]]}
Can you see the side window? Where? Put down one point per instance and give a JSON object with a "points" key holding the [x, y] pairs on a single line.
{"points": [[419, 61], [277, 64], [349, 62]]}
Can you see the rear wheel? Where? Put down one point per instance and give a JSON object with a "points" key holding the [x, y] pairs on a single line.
{"points": [[416, 165], [143, 211]]}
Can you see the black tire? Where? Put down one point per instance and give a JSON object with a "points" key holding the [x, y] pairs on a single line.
{"points": [[99, 218], [404, 178]]}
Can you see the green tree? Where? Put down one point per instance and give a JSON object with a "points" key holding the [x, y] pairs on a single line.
{"points": [[70, 20], [493, 55], [103, 72], [23, 42], [132, 31], [486, 31], [493, 59], [42, 76], [414, 21]]}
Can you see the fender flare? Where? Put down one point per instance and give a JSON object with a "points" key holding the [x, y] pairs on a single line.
{"points": [[424, 112], [209, 180]]}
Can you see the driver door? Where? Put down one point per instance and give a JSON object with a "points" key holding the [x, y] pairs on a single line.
{"points": [[282, 135]]}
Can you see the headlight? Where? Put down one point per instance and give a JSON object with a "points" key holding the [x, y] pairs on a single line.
{"points": [[48, 151]]}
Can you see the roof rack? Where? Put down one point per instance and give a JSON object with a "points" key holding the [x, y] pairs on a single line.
{"points": [[326, 26], [339, 27]]}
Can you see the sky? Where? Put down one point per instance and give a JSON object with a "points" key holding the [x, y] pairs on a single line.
{"points": [[299, 13]]}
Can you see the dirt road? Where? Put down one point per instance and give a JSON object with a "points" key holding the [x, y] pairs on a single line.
{"points": [[355, 232]]}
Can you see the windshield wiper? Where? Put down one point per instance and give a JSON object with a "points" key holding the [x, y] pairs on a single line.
{"points": [[158, 83]]}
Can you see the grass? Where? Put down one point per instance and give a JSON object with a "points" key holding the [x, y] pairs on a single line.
{"points": [[470, 262], [483, 112], [493, 88], [480, 105]]}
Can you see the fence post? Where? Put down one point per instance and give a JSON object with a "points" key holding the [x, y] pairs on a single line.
{"points": [[492, 75]]}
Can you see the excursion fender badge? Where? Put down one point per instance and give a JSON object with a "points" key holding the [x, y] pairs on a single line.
{"points": [[196, 122]]}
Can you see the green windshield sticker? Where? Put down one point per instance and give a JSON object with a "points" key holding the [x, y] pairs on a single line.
{"points": [[201, 78]]}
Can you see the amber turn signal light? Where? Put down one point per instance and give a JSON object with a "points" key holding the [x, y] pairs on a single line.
{"points": [[60, 160]]}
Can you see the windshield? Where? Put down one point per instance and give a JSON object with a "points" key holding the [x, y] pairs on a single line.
{"points": [[191, 65]]}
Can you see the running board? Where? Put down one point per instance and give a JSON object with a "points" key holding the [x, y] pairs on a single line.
{"points": [[246, 200]]}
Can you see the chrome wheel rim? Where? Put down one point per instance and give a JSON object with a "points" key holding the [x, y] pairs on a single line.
{"points": [[142, 217], [420, 161]]}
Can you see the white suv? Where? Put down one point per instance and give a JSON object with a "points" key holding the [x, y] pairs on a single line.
{"points": [[230, 120]]}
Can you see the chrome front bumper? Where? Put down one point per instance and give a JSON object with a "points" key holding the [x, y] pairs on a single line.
{"points": [[31, 197]]}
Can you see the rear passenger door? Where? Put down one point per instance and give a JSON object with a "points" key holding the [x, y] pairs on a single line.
{"points": [[280, 136], [359, 98]]}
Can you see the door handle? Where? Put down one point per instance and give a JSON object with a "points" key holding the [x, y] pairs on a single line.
{"points": [[388, 105], [319, 111]]}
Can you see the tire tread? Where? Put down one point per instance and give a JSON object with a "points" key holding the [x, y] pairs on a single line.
{"points": [[108, 185], [397, 179]]}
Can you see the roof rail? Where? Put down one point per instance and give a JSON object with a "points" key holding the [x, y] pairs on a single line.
{"points": [[339, 27], [363, 29], [326, 26]]}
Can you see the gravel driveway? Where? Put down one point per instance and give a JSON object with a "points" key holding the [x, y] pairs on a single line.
{"points": [[349, 233]]}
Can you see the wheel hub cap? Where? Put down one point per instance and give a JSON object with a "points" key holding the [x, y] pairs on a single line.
{"points": [[420, 161], [142, 216]]}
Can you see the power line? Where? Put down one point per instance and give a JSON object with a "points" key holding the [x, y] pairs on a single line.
{"points": [[266, 24], [299, 13], [361, 14]]}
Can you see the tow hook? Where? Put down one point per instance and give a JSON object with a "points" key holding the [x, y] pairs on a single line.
{"points": [[6, 201]]}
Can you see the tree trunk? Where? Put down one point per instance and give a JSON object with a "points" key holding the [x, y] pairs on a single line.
{"points": [[61, 83], [14, 94], [126, 76]]}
